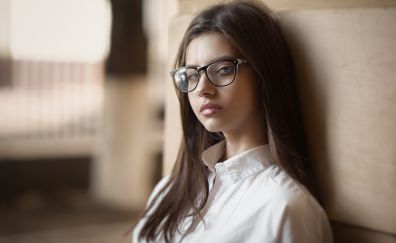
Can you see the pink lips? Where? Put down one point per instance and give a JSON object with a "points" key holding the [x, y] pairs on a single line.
{"points": [[210, 109]]}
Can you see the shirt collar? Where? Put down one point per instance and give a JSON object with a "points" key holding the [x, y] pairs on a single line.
{"points": [[239, 166]]}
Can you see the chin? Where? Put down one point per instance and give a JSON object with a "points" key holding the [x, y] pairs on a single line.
{"points": [[212, 130], [213, 124], [212, 127]]}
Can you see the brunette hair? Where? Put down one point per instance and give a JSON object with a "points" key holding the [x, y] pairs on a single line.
{"points": [[253, 30]]}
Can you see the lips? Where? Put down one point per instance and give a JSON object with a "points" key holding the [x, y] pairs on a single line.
{"points": [[210, 109]]}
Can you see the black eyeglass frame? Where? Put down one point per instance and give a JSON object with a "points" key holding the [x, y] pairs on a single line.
{"points": [[236, 62]]}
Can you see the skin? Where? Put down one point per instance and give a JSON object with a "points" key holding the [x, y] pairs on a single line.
{"points": [[239, 118]]}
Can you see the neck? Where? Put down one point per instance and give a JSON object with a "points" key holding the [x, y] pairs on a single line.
{"points": [[237, 142]]}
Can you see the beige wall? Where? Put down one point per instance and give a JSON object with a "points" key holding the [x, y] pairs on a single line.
{"points": [[191, 6], [344, 51], [347, 73]]}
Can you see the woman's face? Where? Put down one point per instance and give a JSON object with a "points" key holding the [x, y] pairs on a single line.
{"points": [[228, 109]]}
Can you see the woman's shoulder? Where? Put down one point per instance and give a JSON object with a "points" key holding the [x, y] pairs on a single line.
{"points": [[282, 189], [291, 205]]}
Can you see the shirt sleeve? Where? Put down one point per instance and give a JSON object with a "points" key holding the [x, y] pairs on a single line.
{"points": [[157, 189], [153, 194]]}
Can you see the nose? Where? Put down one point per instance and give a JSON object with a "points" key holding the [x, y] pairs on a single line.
{"points": [[205, 87]]}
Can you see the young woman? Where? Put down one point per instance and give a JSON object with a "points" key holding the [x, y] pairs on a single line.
{"points": [[243, 173]]}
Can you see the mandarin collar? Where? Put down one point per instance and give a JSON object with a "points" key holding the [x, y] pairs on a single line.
{"points": [[239, 166]]}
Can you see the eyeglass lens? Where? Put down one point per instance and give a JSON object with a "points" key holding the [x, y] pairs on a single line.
{"points": [[219, 73]]}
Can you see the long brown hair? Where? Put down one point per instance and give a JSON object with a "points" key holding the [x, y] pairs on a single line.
{"points": [[253, 30]]}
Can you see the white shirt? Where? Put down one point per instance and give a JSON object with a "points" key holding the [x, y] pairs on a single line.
{"points": [[252, 200]]}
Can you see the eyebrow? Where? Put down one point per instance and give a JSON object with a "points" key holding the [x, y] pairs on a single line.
{"points": [[220, 58]]}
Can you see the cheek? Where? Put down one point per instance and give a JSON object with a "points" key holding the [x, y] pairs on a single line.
{"points": [[193, 103], [245, 101]]}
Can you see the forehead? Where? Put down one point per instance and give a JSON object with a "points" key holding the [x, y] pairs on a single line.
{"points": [[208, 47]]}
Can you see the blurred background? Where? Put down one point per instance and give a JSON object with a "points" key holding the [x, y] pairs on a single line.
{"points": [[89, 120], [81, 119]]}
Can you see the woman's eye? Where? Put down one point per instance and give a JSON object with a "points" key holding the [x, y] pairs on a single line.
{"points": [[225, 70], [193, 77]]}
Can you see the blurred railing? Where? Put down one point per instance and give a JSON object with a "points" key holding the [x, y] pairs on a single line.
{"points": [[49, 108]]}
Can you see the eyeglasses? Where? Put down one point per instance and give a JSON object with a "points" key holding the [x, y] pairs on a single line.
{"points": [[220, 73]]}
